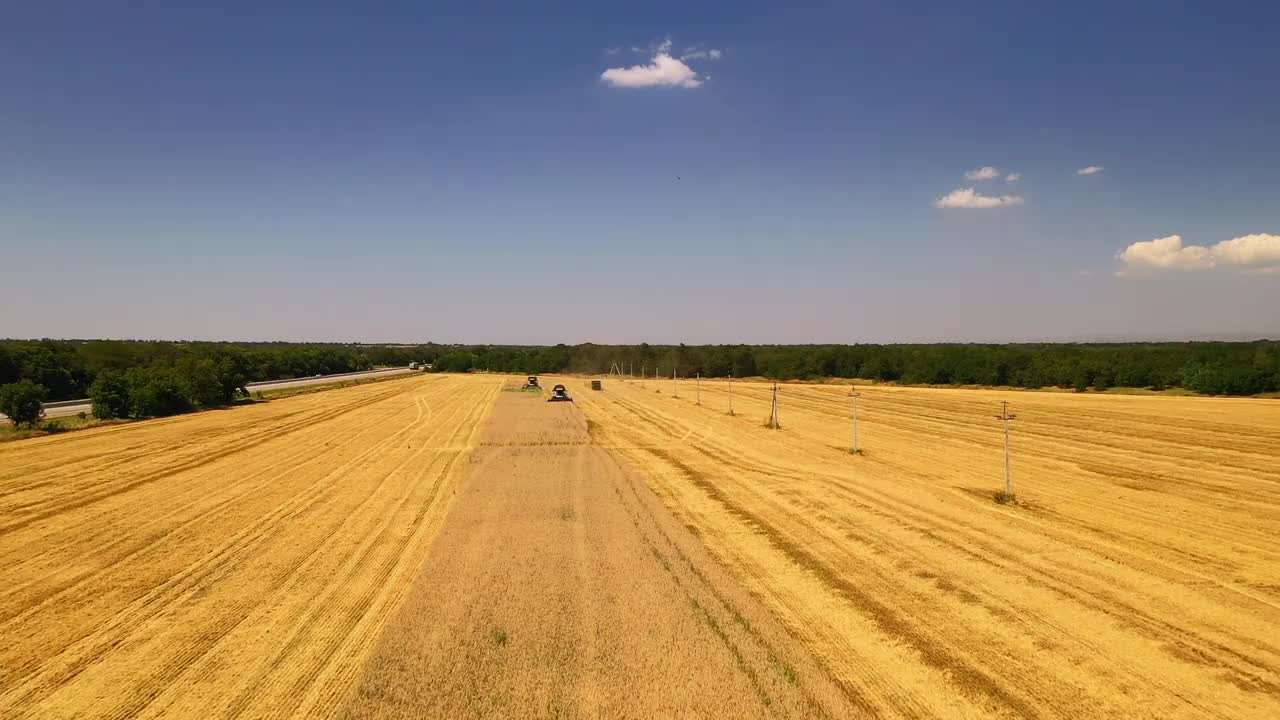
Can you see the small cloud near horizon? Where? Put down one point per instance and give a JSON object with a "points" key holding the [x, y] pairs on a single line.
{"points": [[983, 173], [1091, 170], [1013, 177], [972, 199], [710, 54]]}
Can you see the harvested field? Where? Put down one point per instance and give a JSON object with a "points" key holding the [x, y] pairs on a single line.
{"points": [[434, 547], [560, 587], [1139, 575], [228, 563]]}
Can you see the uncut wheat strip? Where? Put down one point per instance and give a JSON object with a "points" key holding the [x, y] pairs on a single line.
{"points": [[343, 593], [336, 681]]}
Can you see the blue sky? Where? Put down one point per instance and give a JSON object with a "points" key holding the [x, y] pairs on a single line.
{"points": [[472, 172]]}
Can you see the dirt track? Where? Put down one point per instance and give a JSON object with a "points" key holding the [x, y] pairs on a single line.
{"points": [[1140, 576], [236, 562], [560, 587]]}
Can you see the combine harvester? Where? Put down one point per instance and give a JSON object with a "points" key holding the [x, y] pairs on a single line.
{"points": [[559, 394], [532, 383]]}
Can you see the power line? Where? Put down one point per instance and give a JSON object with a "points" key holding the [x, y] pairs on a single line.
{"points": [[1006, 416], [856, 450], [730, 393]]}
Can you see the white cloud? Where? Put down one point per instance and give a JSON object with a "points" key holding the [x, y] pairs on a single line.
{"points": [[1091, 170], [662, 70], [612, 50], [664, 47], [983, 173], [695, 54], [969, 198], [1168, 253], [1257, 249], [1013, 177]]}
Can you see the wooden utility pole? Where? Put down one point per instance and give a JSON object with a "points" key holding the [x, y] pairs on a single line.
{"points": [[773, 411], [675, 389], [1006, 416], [855, 395], [698, 391], [730, 393]]}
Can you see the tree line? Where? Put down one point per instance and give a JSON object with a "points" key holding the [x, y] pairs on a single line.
{"points": [[136, 379], [1214, 368], [150, 378]]}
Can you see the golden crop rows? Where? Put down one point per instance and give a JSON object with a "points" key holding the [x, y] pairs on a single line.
{"points": [[228, 562], [245, 562], [1139, 575]]}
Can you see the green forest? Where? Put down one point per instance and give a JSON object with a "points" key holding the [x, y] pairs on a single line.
{"points": [[1214, 368], [128, 378]]}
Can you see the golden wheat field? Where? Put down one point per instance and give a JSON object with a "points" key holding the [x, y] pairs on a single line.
{"points": [[434, 546], [230, 563], [1138, 577]]}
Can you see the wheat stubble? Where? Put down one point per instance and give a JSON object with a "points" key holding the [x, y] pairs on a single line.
{"points": [[560, 587]]}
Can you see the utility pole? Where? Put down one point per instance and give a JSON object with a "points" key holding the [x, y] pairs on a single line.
{"points": [[1006, 416], [642, 375], [773, 411], [855, 395], [730, 393], [675, 389], [699, 389]]}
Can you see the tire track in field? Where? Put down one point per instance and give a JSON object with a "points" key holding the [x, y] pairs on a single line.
{"points": [[214, 569], [693, 582], [197, 443], [1113, 535], [199, 451], [1181, 645], [51, 509], [328, 692], [812, 490], [245, 487], [469, 427], [202, 572], [544, 515]]}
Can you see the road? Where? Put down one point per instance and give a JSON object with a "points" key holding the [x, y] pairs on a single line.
{"points": [[71, 407]]}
